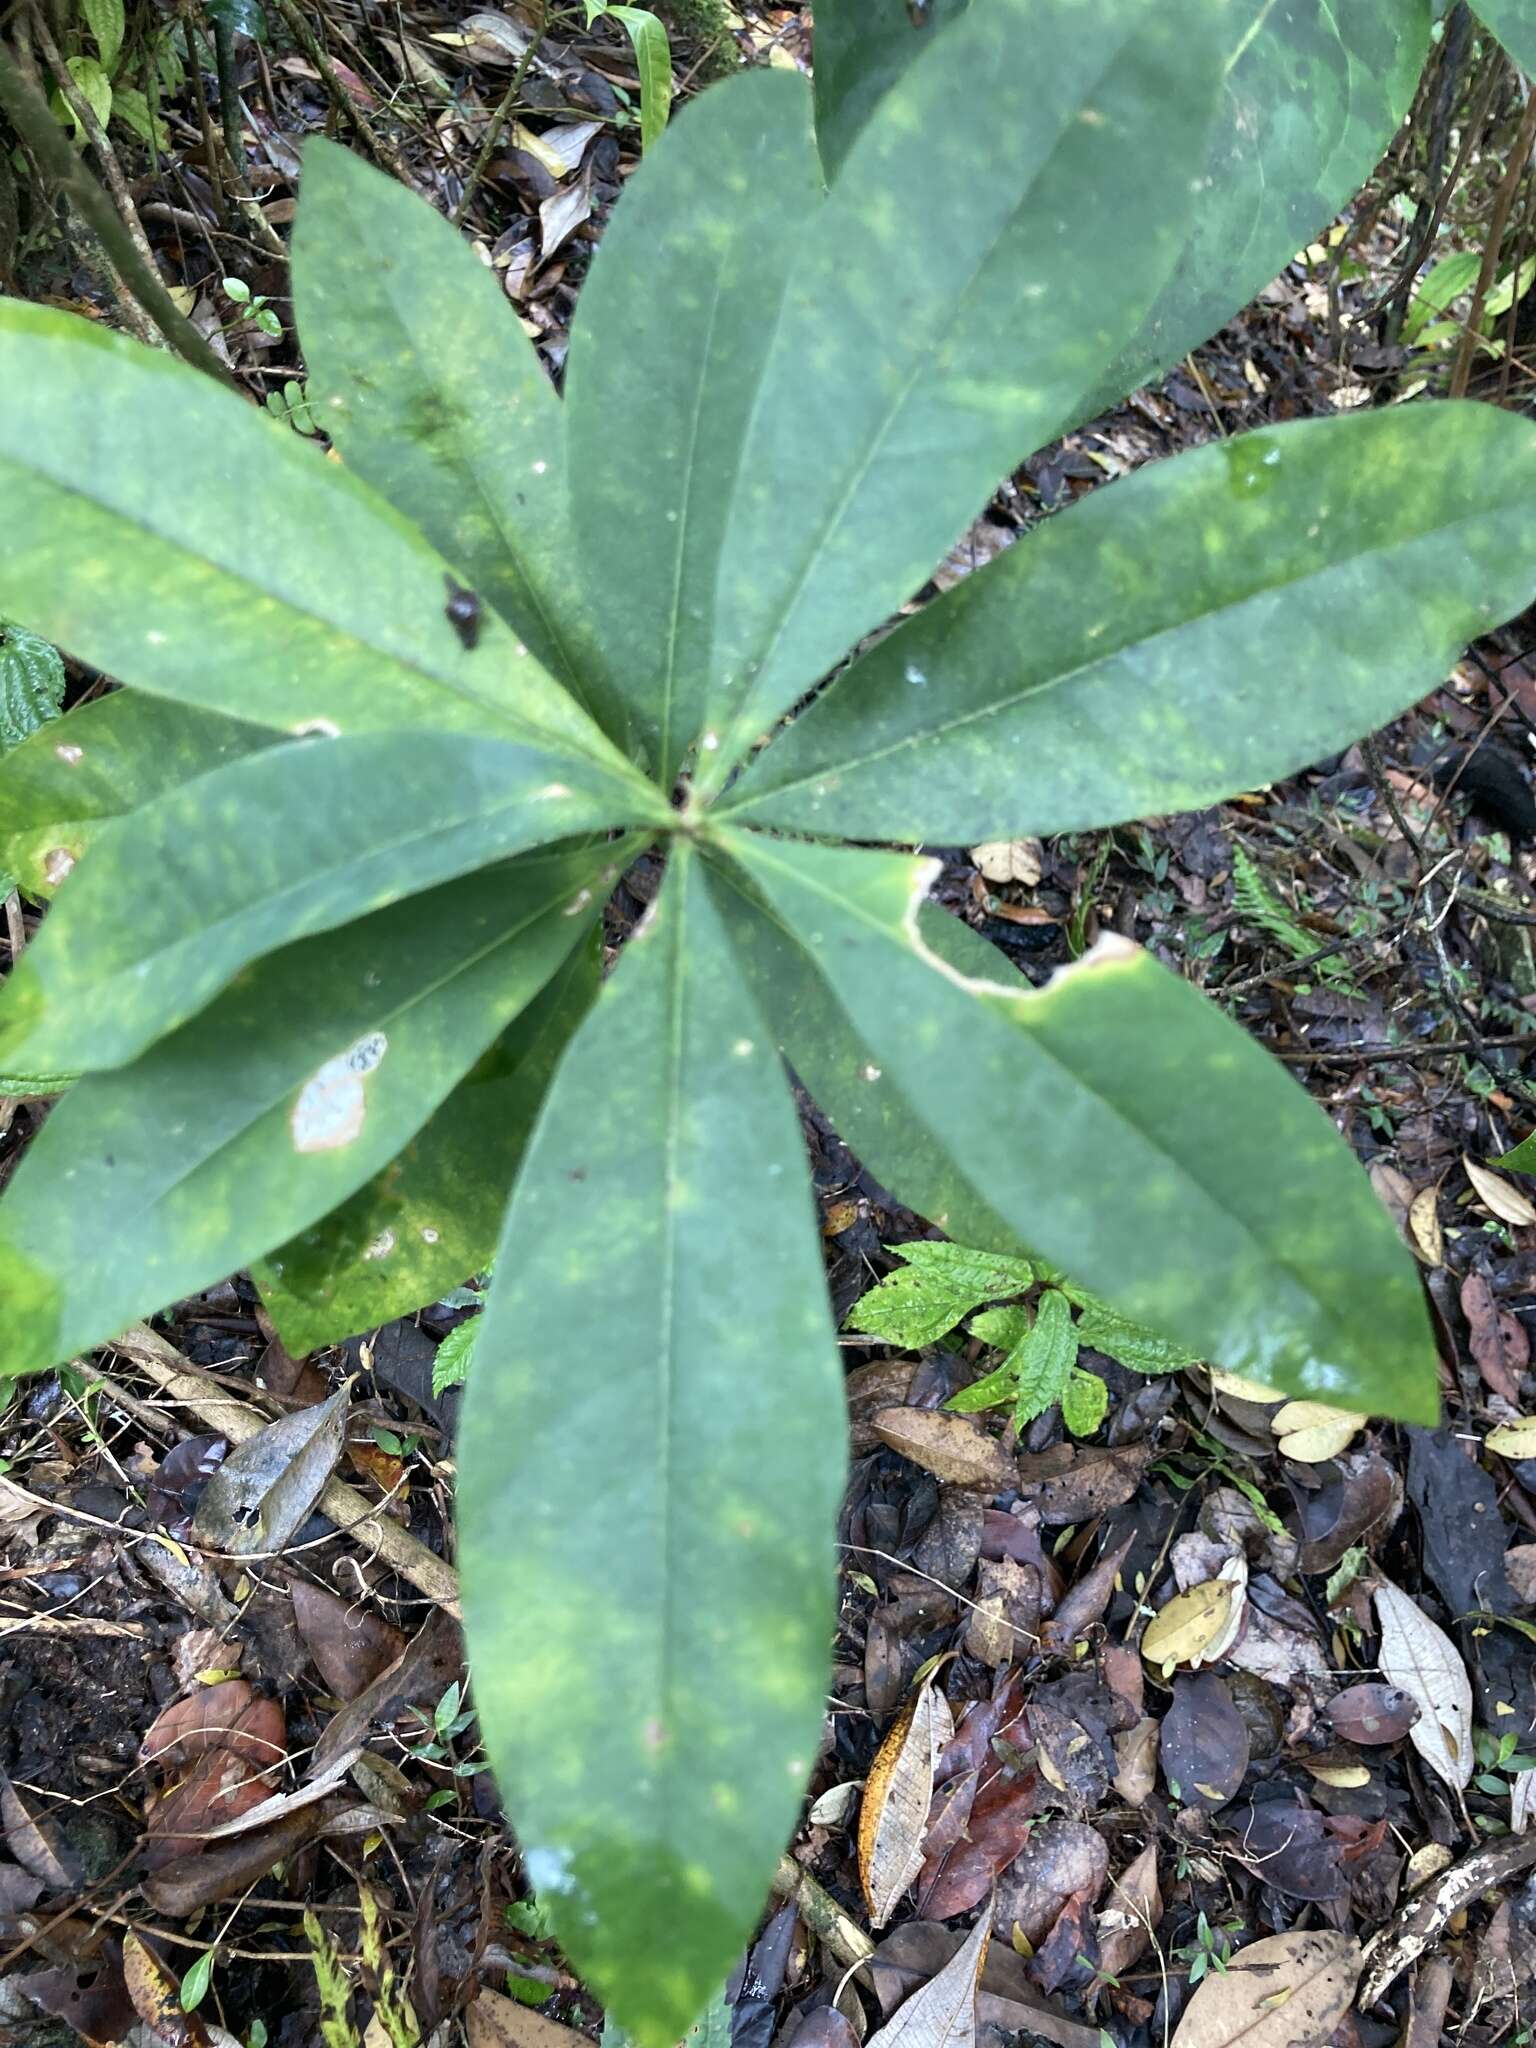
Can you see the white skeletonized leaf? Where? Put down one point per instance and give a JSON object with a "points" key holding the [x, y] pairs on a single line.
{"points": [[943, 2013], [894, 1815], [1423, 1660]]}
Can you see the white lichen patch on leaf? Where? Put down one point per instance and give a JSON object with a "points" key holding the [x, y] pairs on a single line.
{"points": [[331, 1105]]}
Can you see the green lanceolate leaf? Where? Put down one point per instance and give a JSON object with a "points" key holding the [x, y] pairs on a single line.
{"points": [[860, 51], [105, 759], [650, 1469], [1124, 1127], [1129, 1344], [1520, 1158], [31, 685], [667, 346], [938, 1285], [169, 903], [837, 1066], [653, 62], [1314, 94], [435, 396], [890, 349], [442, 1199], [1514, 23], [264, 1112], [1208, 624], [182, 541]]}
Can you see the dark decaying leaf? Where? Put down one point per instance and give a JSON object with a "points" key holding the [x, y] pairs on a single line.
{"points": [[225, 1869], [1496, 1337], [1069, 1759], [351, 1644], [1001, 1819], [1204, 1743], [1086, 1601], [180, 1479], [1074, 1482], [1004, 1619], [1060, 1859], [91, 1997], [1343, 1511], [1463, 1531], [1008, 2007], [1289, 1846], [824, 2028], [1372, 1713], [1070, 1951], [263, 1492], [36, 1843], [943, 2013]]}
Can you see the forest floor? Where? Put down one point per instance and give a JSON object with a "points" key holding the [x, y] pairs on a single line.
{"points": [[1370, 921]]}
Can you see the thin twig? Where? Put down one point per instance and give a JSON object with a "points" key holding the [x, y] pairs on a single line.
{"points": [[493, 133], [382, 152], [1498, 221]]}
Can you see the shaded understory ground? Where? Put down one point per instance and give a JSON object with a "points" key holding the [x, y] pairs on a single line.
{"points": [[1130, 1819]]}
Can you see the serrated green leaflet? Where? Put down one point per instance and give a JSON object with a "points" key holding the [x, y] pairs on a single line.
{"points": [[164, 532], [1129, 1344], [31, 685], [1040, 1363], [1213, 621], [1084, 1402], [286, 843], [1149, 1116], [436, 398], [660, 453], [264, 1112], [442, 1199], [938, 1285], [650, 1809], [105, 759], [887, 350], [450, 1367]]}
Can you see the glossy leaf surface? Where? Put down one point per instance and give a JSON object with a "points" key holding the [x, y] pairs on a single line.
{"points": [[441, 1199], [890, 359], [105, 759], [161, 530], [650, 1469], [435, 396], [1208, 624], [1128, 1132], [263, 1113], [287, 843], [860, 51], [667, 347]]}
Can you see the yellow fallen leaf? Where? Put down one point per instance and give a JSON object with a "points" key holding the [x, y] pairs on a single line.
{"points": [[1189, 1623], [1499, 1195], [1236, 1388], [893, 1816], [1311, 1432], [1514, 1439], [1347, 1777], [1424, 1224]]}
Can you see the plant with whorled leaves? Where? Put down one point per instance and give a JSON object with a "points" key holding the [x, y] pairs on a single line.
{"points": [[393, 726]]}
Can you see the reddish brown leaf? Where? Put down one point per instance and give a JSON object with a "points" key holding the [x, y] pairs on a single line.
{"points": [[1087, 1600], [225, 1716], [225, 1868], [92, 1999], [1287, 1845], [1497, 1339], [1372, 1713], [350, 1644], [1071, 1948], [217, 1787], [1001, 1819]]}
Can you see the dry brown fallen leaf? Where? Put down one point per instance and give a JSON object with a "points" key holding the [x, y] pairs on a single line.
{"points": [[1500, 1195], [952, 1447], [897, 1795], [1423, 1661], [1010, 860], [1288, 1991], [1132, 1909], [943, 2013], [494, 2021]]}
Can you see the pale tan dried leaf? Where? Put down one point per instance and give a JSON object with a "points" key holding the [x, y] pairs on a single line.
{"points": [[1135, 1776], [1427, 1237], [1010, 860], [1522, 1802], [897, 1796], [1235, 1574], [1423, 1660], [1134, 1908], [952, 1447], [1514, 1439], [497, 2022], [1499, 1195], [834, 1809], [1287, 1991], [1311, 1432], [943, 2013]]}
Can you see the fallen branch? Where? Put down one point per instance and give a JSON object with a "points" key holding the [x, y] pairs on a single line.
{"points": [[1427, 1914]]}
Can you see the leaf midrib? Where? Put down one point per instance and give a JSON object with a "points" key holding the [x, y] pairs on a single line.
{"points": [[945, 727]]}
